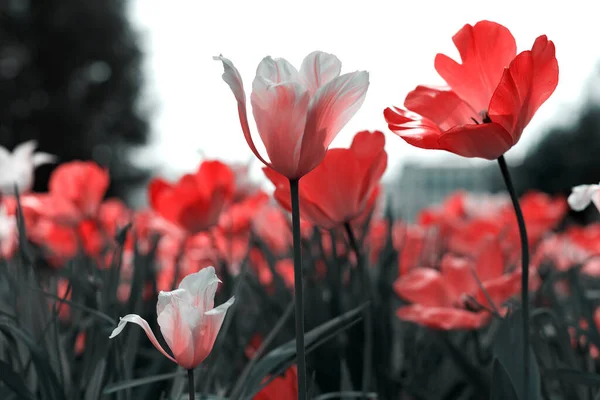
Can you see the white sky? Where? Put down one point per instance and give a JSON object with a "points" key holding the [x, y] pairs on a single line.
{"points": [[396, 41]]}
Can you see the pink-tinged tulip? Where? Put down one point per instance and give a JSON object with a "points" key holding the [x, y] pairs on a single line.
{"points": [[583, 195], [17, 168], [297, 113], [187, 319]]}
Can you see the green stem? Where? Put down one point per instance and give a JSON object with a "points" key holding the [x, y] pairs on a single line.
{"points": [[367, 314], [524, 271], [298, 290], [191, 386]]}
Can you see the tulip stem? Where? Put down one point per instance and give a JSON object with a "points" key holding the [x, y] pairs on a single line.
{"points": [[524, 271], [367, 314], [298, 290], [191, 386]]}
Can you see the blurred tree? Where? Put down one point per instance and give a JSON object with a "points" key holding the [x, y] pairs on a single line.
{"points": [[70, 78]]}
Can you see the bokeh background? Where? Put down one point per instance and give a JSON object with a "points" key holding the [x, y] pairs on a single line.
{"points": [[133, 86]]}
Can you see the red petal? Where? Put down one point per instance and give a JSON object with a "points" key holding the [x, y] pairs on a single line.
{"points": [[487, 141], [485, 50], [425, 286], [524, 87], [458, 273], [442, 106], [442, 317], [414, 129]]}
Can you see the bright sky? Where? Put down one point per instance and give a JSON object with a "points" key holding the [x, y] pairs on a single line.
{"points": [[396, 41]]}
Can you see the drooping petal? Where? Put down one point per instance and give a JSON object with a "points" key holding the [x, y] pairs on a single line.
{"points": [[232, 77], [202, 287], [442, 106], [277, 70], [332, 106], [488, 141], [525, 85], [485, 50], [582, 195], [424, 286], [136, 319], [319, 68], [280, 112], [444, 318]]}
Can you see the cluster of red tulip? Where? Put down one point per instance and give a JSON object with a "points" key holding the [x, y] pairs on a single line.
{"points": [[458, 265]]}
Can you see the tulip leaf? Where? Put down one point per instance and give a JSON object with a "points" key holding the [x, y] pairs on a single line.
{"points": [[282, 357], [573, 376], [502, 386], [508, 349], [116, 387], [14, 381]]}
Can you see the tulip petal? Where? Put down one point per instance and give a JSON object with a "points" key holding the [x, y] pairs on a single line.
{"points": [[582, 195], [425, 286], [177, 321], [319, 68], [442, 106], [525, 85], [280, 112], [332, 106], [232, 77], [485, 50], [458, 273], [277, 70], [414, 129], [444, 318], [487, 141], [136, 319], [206, 334], [202, 287], [42, 158]]}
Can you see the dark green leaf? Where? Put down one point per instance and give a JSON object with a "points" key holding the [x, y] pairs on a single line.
{"points": [[14, 381], [508, 348], [142, 381], [573, 376], [502, 386], [279, 359]]}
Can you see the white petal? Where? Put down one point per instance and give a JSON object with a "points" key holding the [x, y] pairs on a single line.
{"points": [[4, 155], [42, 158], [165, 298], [277, 70], [222, 309], [177, 322], [136, 319], [25, 150], [335, 103], [319, 68], [581, 196], [202, 286], [232, 77]]}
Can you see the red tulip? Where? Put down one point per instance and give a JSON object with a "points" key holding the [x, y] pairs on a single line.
{"points": [[297, 113], [342, 186], [195, 202], [281, 388], [492, 96]]}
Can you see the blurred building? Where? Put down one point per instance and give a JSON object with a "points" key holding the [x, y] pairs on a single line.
{"points": [[425, 184]]}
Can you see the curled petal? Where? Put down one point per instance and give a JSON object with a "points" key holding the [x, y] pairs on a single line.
{"points": [[444, 318], [42, 158], [206, 335], [232, 77], [442, 106], [136, 319], [414, 129], [582, 195]]}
